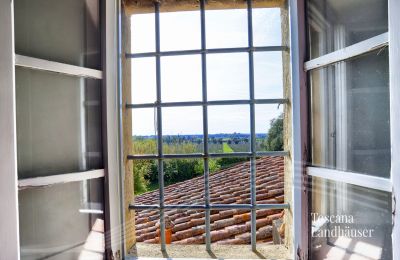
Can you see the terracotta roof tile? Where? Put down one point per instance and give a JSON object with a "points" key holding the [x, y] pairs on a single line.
{"points": [[226, 187]]}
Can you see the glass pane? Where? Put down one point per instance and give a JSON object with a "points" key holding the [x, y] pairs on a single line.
{"points": [[143, 80], [228, 76], [58, 123], [267, 27], [184, 182], [56, 30], [229, 126], [181, 78], [182, 130], [269, 127], [144, 131], [179, 30], [63, 221], [334, 25], [268, 75], [350, 115], [143, 37], [350, 221], [226, 28]]}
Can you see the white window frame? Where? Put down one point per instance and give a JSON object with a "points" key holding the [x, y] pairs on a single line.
{"points": [[9, 183], [299, 156], [391, 184], [394, 86], [343, 54], [9, 235]]}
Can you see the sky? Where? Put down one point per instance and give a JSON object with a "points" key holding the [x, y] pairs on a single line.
{"points": [[227, 74]]}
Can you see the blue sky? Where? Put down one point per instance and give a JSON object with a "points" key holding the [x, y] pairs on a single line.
{"points": [[227, 74]]}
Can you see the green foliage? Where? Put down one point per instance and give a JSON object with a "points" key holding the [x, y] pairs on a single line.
{"points": [[229, 162], [213, 166], [274, 140], [140, 170], [176, 170]]}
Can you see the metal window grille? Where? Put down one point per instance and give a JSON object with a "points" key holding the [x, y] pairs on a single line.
{"points": [[253, 154]]}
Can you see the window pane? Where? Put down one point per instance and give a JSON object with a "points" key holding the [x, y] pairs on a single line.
{"points": [[179, 30], [226, 28], [268, 75], [56, 30], [64, 221], [229, 126], [267, 27], [143, 80], [144, 131], [182, 130], [337, 24], [269, 127], [58, 123], [350, 221], [181, 78], [143, 33], [350, 115], [228, 76]]}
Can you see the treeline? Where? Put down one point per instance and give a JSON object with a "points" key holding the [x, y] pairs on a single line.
{"points": [[176, 170]]}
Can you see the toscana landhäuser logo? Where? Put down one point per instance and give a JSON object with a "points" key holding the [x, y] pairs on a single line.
{"points": [[338, 226]]}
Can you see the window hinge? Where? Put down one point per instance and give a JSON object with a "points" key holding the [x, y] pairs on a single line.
{"points": [[393, 207]]}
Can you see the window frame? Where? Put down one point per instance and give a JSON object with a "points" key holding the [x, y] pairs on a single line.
{"points": [[9, 235], [252, 101], [9, 184], [391, 184]]}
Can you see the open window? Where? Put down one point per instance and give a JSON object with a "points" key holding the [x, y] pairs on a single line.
{"points": [[204, 87], [348, 79]]}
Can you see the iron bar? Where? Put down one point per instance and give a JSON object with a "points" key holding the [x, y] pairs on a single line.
{"points": [[205, 126], [159, 128], [204, 51], [203, 155], [253, 167], [209, 103], [210, 206], [253, 154]]}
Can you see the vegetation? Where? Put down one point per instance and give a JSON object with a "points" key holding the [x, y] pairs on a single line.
{"points": [[177, 170], [274, 140]]}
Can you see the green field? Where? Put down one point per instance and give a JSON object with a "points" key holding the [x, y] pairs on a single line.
{"points": [[226, 148]]}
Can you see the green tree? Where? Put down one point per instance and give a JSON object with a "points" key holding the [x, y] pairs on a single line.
{"points": [[141, 169], [274, 140]]}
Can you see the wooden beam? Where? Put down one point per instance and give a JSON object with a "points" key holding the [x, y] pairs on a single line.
{"points": [[147, 6]]}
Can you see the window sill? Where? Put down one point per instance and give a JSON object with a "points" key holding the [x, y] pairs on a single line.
{"points": [[152, 251]]}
